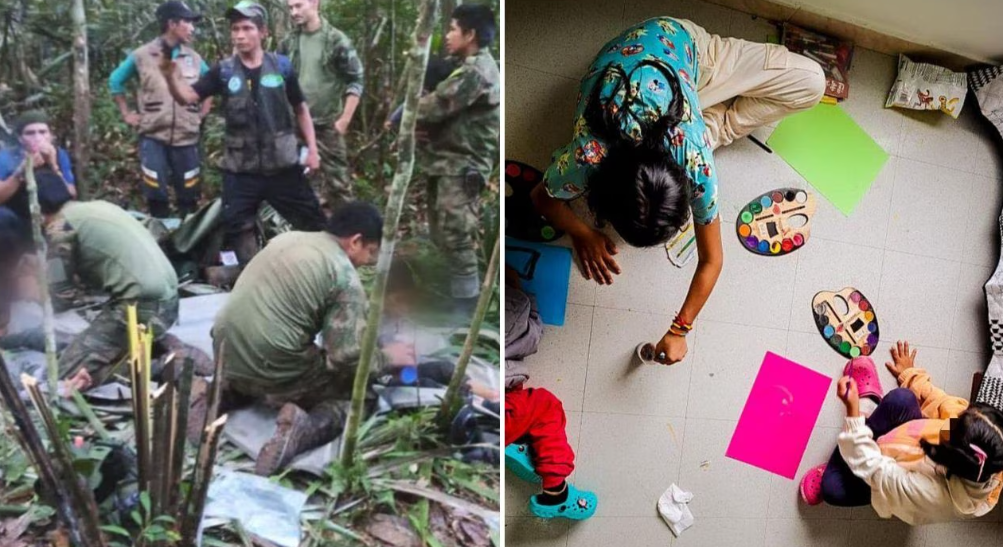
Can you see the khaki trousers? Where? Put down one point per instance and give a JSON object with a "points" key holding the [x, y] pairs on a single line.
{"points": [[744, 85]]}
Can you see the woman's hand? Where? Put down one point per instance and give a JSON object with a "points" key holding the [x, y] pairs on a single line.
{"points": [[902, 359], [670, 349], [846, 390], [595, 253]]}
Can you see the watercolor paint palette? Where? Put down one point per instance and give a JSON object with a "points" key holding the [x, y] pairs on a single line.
{"points": [[847, 321], [777, 222], [521, 219]]}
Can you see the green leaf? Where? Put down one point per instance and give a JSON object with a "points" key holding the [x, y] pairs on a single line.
{"points": [[118, 530], [136, 518], [144, 500]]}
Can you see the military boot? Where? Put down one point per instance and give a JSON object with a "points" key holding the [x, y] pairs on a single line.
{"points": [[295, 433]]}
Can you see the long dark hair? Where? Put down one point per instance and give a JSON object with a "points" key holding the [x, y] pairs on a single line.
{"points": [[637, 188], [979, 426]]}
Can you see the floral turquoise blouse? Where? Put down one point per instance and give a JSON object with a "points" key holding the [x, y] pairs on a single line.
{"points": [[644, 53]]}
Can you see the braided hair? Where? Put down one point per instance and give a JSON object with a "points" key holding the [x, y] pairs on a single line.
{"points": [[979, 429], [638, 188]]}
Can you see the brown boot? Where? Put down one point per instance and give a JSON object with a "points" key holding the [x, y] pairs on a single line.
{"points": [[295, 433]]}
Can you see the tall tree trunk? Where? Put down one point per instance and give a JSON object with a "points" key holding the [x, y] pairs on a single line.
{"points": [[450, 402], [48, 321], [81, 96], [398, 191]]}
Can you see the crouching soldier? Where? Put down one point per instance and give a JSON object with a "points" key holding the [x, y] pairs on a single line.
{"points": [[299, 285]]}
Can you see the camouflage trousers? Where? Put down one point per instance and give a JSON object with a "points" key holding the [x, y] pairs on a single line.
{"points": [[454, 205], [106, 341], [333, 183]]}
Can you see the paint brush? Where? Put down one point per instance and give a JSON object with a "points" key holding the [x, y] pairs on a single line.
{"points": [[760, 144]]}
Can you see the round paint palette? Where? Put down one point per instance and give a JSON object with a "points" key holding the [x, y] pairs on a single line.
{"points": [[777, 222], [521, 219], [847, 321]]}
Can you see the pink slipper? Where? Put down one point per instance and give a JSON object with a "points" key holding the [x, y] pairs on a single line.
{"points": [[863, 371], [811, 485]]}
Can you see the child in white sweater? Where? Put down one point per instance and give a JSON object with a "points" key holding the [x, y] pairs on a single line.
{"points": [[936, 458]]}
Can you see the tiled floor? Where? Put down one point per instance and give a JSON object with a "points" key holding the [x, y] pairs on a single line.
{"points": [[920, 246]]}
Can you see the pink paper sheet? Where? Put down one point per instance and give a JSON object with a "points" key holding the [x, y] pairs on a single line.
{"points": [[779, 415]]}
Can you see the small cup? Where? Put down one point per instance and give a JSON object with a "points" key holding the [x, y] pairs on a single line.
{"points": [[646, 353]]}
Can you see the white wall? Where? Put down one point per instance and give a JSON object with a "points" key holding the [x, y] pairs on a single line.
{"points": [[971, 28]]}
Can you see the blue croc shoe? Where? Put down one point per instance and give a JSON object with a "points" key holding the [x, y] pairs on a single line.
{"points": [[517, 460], [580, 505]]}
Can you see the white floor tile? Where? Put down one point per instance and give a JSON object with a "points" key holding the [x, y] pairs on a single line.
{"points": [[722, 487], [628, 461], [724, 532], [885, 532], [785, 496], [917, 299], [971, 315], [963, 365], [807, 533], [982, 236], [540, 34], [825, 265], [649, 531], [531, 97], [560, 363], [963, 533], [617, 382], [647, 282], [752, 289], [723, 374], [928, 204], [716, 19], [868, 224], [535, 532]]}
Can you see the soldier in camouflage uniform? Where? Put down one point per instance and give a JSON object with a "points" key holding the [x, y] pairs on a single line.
{"points": [[330, 74], [97, 246], [462, 119], [300, 285]]}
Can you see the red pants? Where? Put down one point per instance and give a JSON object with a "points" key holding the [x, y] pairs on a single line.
{"points": [[535, 416]]}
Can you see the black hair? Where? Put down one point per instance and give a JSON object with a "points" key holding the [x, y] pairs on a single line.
{"points": [[166, 23], [52, 192], [637, 188], [12, 240], [357, 217], [979, 425], [479, 18], [643, 194]]}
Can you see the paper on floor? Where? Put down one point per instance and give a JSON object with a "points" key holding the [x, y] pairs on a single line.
{"points": [[675, 510]]}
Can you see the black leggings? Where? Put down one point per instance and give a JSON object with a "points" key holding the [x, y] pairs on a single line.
{"points": [[840, 486]]}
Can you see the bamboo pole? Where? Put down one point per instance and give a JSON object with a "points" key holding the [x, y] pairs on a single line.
{"points": [[182, 376], [422, 38], [41, 250], [450, 402], [86, 527], [195, 504]]}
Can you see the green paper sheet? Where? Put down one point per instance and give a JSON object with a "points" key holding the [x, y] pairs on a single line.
{"points": [[831, 152]]}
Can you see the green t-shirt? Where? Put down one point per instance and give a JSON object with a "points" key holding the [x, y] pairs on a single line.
{"points": [[110, 250], [300, 284], [328, 68]]}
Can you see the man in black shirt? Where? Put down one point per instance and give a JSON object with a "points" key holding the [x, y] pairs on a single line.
{"points": [[263, 105]]}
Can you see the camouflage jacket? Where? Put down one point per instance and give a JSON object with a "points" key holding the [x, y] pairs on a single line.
{"points": [[465, 109], [338, 73]]}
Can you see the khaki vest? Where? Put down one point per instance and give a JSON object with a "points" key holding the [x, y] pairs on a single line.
{"points": [[161, 117]]}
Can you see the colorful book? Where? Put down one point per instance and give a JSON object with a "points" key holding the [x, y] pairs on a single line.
{"points": [[834, 55]]}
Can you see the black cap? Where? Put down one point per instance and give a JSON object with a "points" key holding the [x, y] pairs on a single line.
{"points": [[249, 10], [175, 10]]}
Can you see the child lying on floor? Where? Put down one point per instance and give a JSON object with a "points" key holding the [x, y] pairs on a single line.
{"points": [[402, 299], [922, 455], [536, 445]]}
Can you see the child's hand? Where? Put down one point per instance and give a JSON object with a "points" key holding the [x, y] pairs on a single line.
{"points": [[902, 359], [846, 390]]}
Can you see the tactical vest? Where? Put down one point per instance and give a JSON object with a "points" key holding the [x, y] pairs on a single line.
{"points": [[260, 128], [161, 117]]}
